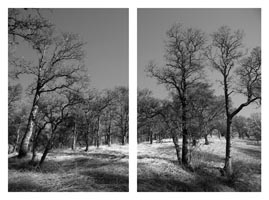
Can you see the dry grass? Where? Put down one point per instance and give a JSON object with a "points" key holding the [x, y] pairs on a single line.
{"points": [[98, 170], [159, 171]]}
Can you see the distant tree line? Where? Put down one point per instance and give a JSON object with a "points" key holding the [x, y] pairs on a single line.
{"points": [[153, 118]]}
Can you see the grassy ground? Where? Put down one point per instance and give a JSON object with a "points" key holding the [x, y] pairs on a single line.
{"points": [[98, 170], [159, 171]]}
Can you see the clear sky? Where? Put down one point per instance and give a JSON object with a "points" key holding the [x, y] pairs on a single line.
{"points": [[152, 27], [105, 32]]}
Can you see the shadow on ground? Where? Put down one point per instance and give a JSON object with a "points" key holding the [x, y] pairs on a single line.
{"points": [[160, 172], [255, 153], [71, 171], [26, 186]]}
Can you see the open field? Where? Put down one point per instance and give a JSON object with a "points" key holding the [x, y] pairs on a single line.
{"points": [[159, 171], [98, 170]]}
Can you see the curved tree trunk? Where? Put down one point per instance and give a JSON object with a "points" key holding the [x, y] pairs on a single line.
{"points": [[29, 130], [45, 153]]}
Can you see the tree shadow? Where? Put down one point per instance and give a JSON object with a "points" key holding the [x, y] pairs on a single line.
{"points": [[209, 179], [158, 184], [255, 153], [166, 148], [206, 157], [113, 182], [90, 172], [157, 157], [25, 186], [110, 155], [253, 143]]}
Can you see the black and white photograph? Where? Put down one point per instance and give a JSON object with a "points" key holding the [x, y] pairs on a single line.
{"points": [[199, 100], [68, 100]]}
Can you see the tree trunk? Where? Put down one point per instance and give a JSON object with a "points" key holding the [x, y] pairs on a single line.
{"points": [[29, 129], [86, 141], [34, 147], [17, 138], [97, 142], [87, 145], [241, 134], [46, 151], [97, 133], [228, 159], [108, 136], [33, 154], [206, 139], [185, 149], [44, 155], [74, 143], [93, 140], [123, 140], [160, 137], [175, 141], [150, 136], [151, 139], [194, 142], [108, 140]]}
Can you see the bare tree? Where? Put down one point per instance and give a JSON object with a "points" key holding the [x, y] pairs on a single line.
{"points": [[224, 53], [14, 94], [122, 112], [205, 108], [148, 110], [182, 70], [254, 125], [57, 66], [56, 110]]}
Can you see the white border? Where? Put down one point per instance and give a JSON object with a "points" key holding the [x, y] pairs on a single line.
{"points": [[132, 5]]}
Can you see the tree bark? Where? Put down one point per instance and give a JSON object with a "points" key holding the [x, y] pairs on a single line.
{"points": [[48, 147], [175, 141], [74, 143], [108, 135], [97, 133], [194, 142], [150, 136], [206, 140], [46, 151], [87, 145], [123, 139], [185, 149], [29, 129], [17, 138], [44, 155], [228, 159], [109, 140], [87, 141], [34, 148]]}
